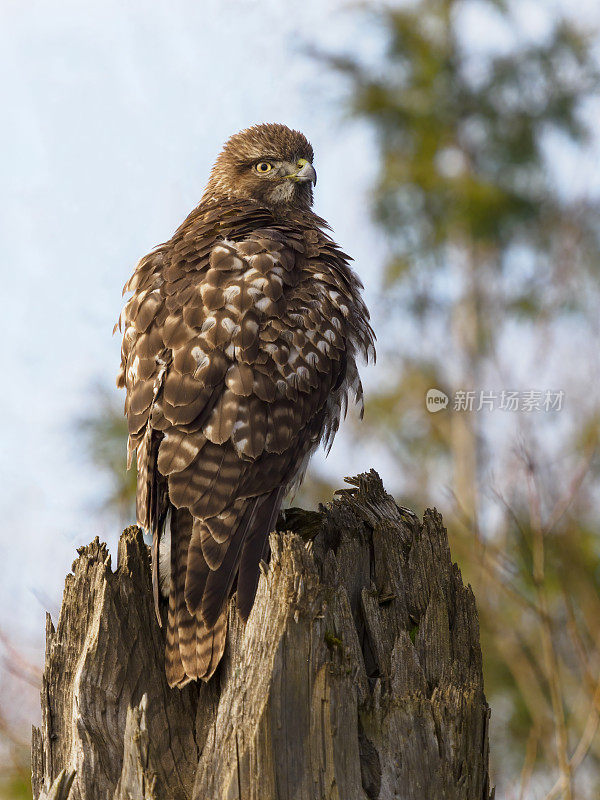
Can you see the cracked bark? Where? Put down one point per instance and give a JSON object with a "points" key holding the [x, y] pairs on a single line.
{"points": [[357, 677]]}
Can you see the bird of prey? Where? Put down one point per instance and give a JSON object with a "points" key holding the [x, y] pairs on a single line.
{"points": [[240, 342]]}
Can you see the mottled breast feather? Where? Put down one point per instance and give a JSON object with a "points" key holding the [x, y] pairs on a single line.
{"points": [[239, 352]]}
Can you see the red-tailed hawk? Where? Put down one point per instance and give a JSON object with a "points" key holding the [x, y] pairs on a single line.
{"points": [[239, 351]]}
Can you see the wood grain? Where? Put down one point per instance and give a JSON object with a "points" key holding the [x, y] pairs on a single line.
{"points": [[357, 676]]}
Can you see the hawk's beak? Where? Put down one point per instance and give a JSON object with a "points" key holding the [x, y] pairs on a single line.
{"points": [[307, 173]]}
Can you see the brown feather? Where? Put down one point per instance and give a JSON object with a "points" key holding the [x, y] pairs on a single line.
{"points": [[178, 449], [193, 649], [256, 548], [219, 582]]}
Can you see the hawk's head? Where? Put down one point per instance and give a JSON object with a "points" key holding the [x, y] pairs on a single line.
{"points": [[269, 163]]}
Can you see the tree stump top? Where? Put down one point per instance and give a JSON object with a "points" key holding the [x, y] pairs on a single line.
{"points": [[357, 676]]}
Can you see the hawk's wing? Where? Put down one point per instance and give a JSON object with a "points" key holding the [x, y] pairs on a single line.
{"points": [[234, 365]]}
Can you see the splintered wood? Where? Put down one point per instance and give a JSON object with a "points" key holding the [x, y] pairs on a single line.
{"points": [[357, 676]]}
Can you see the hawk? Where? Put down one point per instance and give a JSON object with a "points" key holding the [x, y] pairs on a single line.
{"points": [[239, 351]]}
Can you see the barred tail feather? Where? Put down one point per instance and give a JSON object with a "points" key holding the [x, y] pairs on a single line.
{"points": [[193, 650], [256, 548], [208, 557], [219, 582], [176, 675]]}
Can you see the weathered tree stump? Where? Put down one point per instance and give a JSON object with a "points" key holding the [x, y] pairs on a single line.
{"points": [[358, 674]]}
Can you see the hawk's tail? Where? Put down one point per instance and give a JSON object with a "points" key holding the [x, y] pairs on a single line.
{"points": [[193, 650], [209, 558]]}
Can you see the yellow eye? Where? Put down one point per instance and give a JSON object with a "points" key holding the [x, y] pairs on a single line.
{"points": [[263, 166]]}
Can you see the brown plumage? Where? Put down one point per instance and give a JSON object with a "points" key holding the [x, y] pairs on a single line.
{"points": [[239, 348]]}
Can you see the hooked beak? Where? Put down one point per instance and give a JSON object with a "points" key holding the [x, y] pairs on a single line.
{"points": [[305, 173]]}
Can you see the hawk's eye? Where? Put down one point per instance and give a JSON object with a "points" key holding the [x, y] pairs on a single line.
{"points": [[263, 166]]}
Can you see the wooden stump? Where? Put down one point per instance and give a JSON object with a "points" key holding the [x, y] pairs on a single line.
{"points": [[358, 675]]}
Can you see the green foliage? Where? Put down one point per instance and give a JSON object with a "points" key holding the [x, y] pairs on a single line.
{"points": [[462, 141], [463, 187]]}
